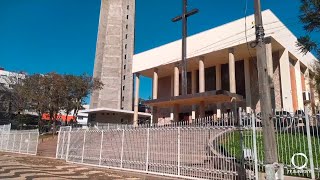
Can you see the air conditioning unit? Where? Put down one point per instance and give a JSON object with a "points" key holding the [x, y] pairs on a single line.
{"points": [[306, 96]]}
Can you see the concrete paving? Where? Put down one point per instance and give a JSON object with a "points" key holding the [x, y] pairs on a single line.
{"points": [[17, 166]]}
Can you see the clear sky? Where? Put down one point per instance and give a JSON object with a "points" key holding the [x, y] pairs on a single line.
{"points": [[39, 36]]}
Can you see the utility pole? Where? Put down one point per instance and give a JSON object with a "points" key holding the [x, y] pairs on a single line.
{"points": [[269, 140], [184, 17]]}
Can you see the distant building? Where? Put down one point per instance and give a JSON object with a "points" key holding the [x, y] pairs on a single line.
{"points": [[82, 118], [8, 78], [222, 72]]}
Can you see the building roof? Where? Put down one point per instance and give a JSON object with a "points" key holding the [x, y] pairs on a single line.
{"points": [[222, 37], [114, 111]]}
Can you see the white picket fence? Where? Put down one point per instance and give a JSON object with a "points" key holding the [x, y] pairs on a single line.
{"points": [[18, 141]]}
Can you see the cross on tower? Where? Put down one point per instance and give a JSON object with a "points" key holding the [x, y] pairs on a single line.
{"points": [[184, 17]]}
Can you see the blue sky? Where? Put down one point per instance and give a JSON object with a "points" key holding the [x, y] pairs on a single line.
{"points": [[39, 36]]}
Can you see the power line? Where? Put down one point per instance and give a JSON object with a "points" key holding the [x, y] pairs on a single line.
{"points": [[226, 44]]}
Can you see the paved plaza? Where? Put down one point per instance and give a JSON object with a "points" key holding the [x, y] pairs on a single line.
{"points": [[16, 166]]}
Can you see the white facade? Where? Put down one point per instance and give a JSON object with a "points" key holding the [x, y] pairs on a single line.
{"points": [[82, 118]]}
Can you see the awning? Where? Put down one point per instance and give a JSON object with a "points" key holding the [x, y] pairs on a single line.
{"points": [[209, 97]]}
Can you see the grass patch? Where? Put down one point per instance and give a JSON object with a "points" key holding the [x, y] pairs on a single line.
{"points": [[287, 145]]}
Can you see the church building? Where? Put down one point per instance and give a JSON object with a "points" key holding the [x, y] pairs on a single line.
{"points": [[222, 72]]}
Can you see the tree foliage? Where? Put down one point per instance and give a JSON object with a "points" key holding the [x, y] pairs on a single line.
{"points": [[316, 77], [310, 17], [51, 93]]}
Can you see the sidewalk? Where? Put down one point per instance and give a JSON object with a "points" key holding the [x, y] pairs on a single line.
{"points": [[17, 167]]}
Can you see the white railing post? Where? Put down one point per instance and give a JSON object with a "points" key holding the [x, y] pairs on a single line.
{"points": [[1, 139], [37, 143], [14, 141], [179, 150], [58, 143], [122, 143], [62, 147], [309, 143], [101, 143], [20, 142], [148, 144], [84, 142], [28, 143], [255, 152], [8, 137], [68, 145]]}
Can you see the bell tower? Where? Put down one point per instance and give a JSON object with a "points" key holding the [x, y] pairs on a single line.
{"points": [[114, 52]]}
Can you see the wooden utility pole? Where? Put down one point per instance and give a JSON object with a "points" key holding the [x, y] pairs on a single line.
{"points": [[184, 17], [269, 140]]}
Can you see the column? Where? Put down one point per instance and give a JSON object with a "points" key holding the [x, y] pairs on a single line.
{"points": [[155, 84], [218, 87], [299, 85], [176, 80], [285, 80], [193, 90], [136, 99], [232, 72], [247, 84], [201, 75]]}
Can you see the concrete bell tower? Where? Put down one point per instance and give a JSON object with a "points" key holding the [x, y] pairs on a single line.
{"points": [[114, 52]]}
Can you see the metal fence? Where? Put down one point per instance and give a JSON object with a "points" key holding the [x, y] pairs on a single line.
{"points": [[194, 150], [297, 139], [5, 128], [208, 148], [62, 142], [22, 141]]}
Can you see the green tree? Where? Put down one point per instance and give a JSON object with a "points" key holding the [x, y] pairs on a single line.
{"points": [[55, 84], [49, 93], [310, 17], [37, 94], [84, 85]]}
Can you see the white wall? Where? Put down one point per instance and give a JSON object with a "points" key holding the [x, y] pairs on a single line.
{"points": [[7, 78]]}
